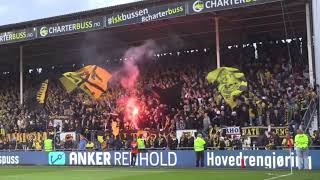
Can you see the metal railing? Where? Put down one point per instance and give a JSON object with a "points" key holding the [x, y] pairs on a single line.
{"points": [[161, 149], [308, 116]]}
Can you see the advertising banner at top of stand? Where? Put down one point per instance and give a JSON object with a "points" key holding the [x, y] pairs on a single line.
{"points": [[202, 6], [146, 15], [70, 27], [17, 35]]}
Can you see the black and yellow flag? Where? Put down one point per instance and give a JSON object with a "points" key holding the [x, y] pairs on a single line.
{"points": [[92, 79], [70, 80], [231, 83], [42, 92]]}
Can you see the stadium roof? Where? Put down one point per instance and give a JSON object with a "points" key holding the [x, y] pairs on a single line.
{"points": [[254, 23]]}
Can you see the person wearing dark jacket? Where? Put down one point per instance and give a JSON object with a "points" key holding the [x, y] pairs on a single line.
{"points": [[172, 142]]}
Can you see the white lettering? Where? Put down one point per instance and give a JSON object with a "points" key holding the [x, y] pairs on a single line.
{"points": [[252, 161], [141, 158], [117, 158], [245, 160], [174, 163], [231, 161], [267, 161], [73, 158], [280, 161], [99, 158], [217, 161], [239, 159], [225, 160], [90, 159], [125, 159], [210, 156], [274, 160], [156, 158], [162, 159], [82, 158], [106, 158], [259, 160]]}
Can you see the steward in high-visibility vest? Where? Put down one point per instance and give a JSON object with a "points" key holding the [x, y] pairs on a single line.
{"points": [[48, 144], [141, 144], [199, 146], [302, 142]]}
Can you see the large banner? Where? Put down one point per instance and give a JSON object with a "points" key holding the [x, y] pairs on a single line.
{"points": [[70, 27], [142, 15], [202, 6], [182, 159], [25, 137], [146, 15], [68, 136], [256, 131], [17, 36], [186, 133]]}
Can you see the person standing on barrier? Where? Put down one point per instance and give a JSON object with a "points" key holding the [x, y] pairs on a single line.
{"points": [[134, 152], [141, 144], [199, 146], [302, 143], [48, 144]]}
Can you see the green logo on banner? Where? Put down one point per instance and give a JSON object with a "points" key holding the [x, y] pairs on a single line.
{"points": [[57, 158], [44, 31], [198, 6]]}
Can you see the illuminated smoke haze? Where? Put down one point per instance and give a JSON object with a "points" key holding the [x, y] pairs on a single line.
{"points": [[129, 73], [128, 76]]}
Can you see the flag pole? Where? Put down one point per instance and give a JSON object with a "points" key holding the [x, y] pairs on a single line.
{"points": [[291, 161], [290, 145]]}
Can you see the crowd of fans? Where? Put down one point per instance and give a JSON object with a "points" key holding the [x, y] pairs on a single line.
{"points": [[278, 94]]}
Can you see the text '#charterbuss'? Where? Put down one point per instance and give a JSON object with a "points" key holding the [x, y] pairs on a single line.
{"points": [[146, 15]]}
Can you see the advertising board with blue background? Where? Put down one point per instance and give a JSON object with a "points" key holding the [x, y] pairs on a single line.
{"points": [[182, 159]]}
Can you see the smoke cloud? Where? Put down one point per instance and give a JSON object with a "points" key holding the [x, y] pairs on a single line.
{"points": [[129, 73], [128, 76]]}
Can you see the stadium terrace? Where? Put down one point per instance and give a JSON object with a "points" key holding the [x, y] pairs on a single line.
{"points": [[231, 86]]}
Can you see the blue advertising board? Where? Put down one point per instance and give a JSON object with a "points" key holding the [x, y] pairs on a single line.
{"points": [[183, 159]]}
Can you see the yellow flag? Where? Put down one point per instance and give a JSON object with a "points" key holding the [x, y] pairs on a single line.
{"points": [[41, 95], [96, 82], [70, 80], [93, 80], [230, 82]]}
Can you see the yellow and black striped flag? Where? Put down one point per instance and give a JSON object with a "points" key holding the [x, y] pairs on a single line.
{"points": [[92, 79], [42, 92]]}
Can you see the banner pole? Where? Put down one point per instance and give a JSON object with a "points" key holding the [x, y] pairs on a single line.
{"points": [[217, 41], [21, 73]]}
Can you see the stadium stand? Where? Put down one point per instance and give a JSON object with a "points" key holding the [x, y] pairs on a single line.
{"points": [[280, 86]]}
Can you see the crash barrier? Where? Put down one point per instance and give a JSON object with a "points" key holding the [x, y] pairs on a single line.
{"points": [[278, 159]]}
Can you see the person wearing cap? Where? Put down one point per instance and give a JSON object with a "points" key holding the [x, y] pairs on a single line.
{"points": [[199, 146], [302, 142]]}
